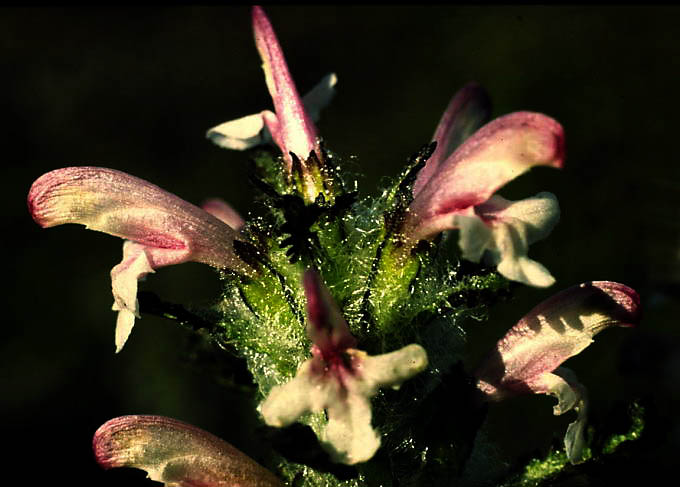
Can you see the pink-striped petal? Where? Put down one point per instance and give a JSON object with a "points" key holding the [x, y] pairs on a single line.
{"points": [[296, 131], [250, 131], [528, 357], [116, 203], [223, 210], [327, 328], [497, 153], [176, 453], [161, 228], [468, 110], [558, 328]]}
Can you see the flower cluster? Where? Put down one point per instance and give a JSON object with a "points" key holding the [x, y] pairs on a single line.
{"points": [[332, 300], [339, 379]]}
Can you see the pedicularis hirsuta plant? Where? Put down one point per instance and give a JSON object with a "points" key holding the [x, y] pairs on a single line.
{"points": [[349, 311]]}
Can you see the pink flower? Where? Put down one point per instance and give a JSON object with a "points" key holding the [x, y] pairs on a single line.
{"points": [[161, 228], [528, 357], [176, 453], [291, 125], [339, 379], [455, 189]]}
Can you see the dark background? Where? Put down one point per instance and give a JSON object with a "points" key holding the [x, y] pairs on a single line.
{"points": [[136, 89]]}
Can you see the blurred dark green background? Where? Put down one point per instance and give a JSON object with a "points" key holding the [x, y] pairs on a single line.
{"points": [[136, 89]]}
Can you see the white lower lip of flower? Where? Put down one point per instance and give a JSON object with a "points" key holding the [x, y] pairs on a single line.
{"points": [[124, 279], [348, 436]]}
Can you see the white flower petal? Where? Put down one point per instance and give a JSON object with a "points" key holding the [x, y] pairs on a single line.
{"points": [[240, 134], [250, 131], [124, 278], [510, 254], [474, 236], [505, 229], [124, 324], [539, 214], [392, 369], [348, 436], [304, 393], [570, 394], [320, 96]]}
